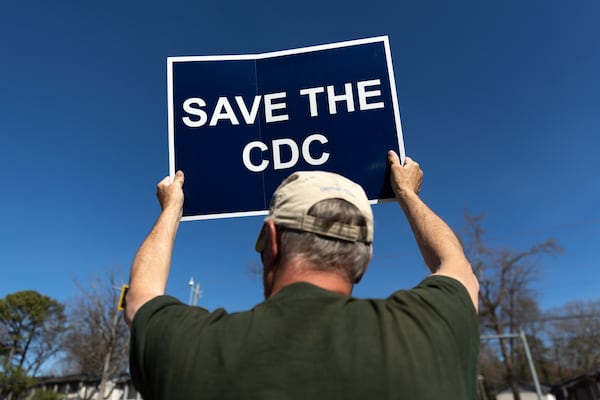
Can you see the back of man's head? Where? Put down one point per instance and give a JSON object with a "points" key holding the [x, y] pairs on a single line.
{"points": [[325, 220]]}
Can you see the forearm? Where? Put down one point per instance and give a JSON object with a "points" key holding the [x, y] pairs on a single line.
{"points": [[150, 267], [438, 244]]}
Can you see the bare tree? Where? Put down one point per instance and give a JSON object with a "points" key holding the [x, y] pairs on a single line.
{"points": [[507, 302], [574, 330], [97, 341]]}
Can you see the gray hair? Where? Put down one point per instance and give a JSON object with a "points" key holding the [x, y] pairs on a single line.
{"points": [[324, 253]]}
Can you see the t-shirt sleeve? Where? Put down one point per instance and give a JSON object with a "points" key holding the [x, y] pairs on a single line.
{"points": [[442, 292], [440, 309], [440, 297], [158, 326]]}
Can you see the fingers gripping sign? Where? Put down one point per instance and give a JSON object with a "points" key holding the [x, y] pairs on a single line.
{"points": [[170, 192], [405, 178]]}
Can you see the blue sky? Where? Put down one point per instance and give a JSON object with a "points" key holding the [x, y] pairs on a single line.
{"points": [[499, 103]]}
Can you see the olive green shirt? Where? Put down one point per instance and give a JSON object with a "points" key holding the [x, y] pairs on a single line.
{"points": [[308, 343]]}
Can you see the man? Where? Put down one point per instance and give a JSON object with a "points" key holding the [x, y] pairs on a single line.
{"points": [[310, 339]]}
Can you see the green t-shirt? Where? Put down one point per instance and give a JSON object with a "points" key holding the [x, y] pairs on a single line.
{"points": [[308, 343]]}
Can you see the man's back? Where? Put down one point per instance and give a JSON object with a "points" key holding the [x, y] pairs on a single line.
{"points": [[309, 343]]}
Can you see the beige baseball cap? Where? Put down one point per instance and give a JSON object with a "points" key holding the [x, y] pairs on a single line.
{"points": [[301, 190]]}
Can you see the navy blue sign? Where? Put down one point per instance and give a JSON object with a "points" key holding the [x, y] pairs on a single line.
{"points": [[239, 125]]}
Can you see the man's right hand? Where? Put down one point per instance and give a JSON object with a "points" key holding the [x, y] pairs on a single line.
{"points": [[405, 179], [170, 194]]}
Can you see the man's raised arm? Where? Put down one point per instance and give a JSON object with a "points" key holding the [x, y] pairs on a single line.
{"points": [[150, 268], [439, 246]]}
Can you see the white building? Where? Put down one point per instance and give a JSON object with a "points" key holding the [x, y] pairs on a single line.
{"points": [[80, 387], [526, 391]]}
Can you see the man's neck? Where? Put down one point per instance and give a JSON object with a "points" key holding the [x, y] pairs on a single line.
{"points": [[332, 281]]}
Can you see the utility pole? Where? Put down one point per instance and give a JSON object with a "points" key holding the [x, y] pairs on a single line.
{"points": [[191, 283], [195, 292]]}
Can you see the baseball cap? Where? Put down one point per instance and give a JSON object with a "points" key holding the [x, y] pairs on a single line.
{"points": [[301, 190]]}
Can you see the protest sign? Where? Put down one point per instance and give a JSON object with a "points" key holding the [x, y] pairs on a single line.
{"points": [[240, 124]]}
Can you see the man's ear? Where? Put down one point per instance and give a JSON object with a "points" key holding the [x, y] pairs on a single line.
{"points": [[271, 247]]}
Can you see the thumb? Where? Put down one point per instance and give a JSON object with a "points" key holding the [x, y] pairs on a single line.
{"points": [[393, 157], [179, 178]]}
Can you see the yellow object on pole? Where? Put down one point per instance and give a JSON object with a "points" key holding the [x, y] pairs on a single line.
{"points": [[121, 304]]}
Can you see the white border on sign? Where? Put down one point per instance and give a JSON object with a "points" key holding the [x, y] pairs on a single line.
{"points": [[260, 56]]}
